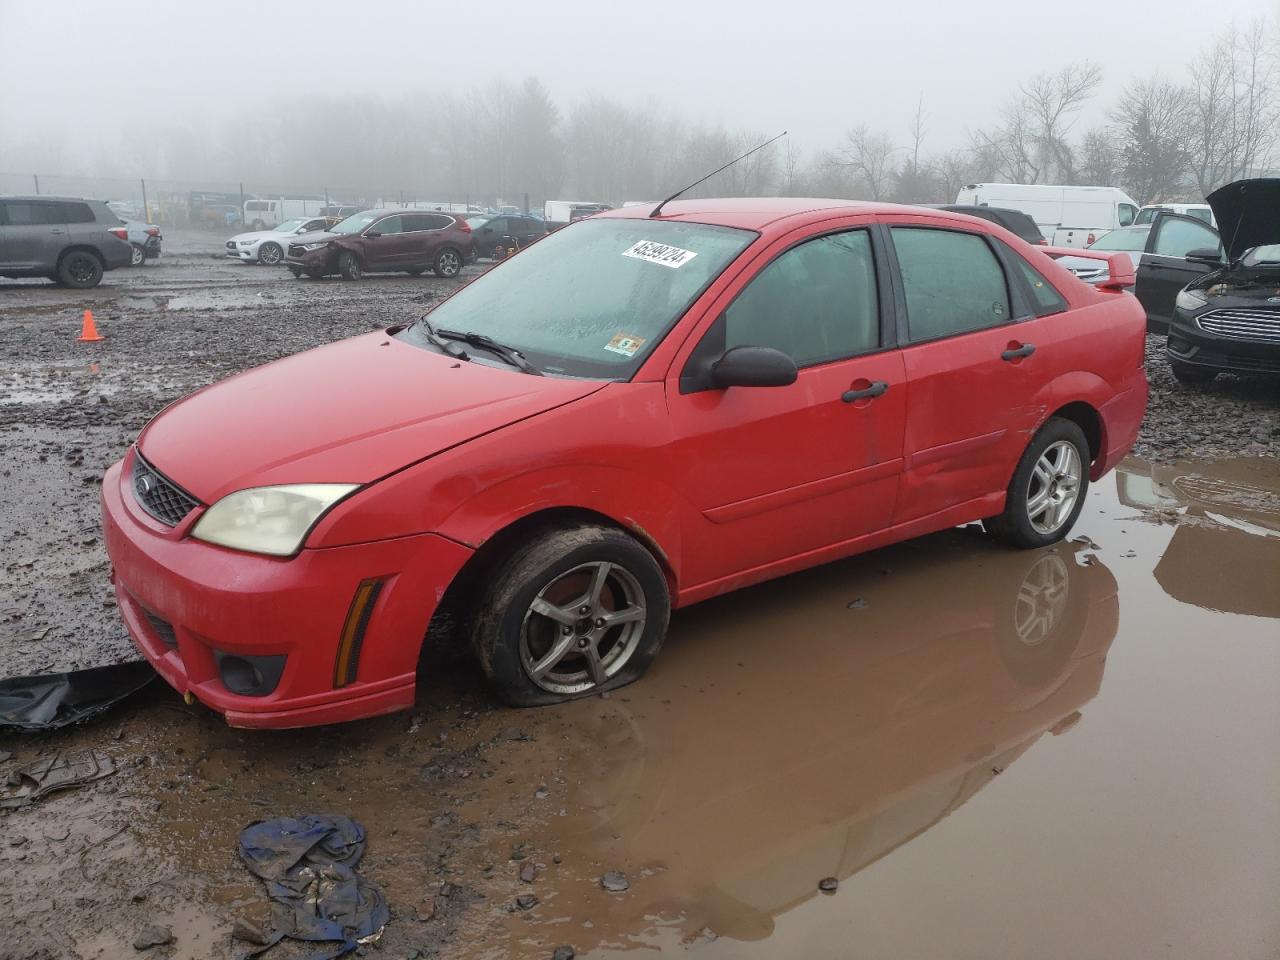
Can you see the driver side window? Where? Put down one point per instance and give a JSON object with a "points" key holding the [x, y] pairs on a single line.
{"points": [[816, 303]]}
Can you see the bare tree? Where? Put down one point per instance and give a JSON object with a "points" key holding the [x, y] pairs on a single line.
{"points": [[1098, 159], [869, 155]]}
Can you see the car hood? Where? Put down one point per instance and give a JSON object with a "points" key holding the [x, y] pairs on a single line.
{"points": [[318, 236], [1248, 214], [349, 412]]}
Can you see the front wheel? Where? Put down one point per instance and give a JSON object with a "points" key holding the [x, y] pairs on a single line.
{"points": [[1191, 376], [448, 263], [270, 253], [1048, 488], [349, 266], [570, 613]]}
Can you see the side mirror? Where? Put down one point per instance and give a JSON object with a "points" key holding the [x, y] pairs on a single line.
{"points": [[753, 367], [1205, 255], [373, 235]]}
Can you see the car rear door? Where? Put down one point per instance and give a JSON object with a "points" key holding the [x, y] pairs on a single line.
{"points": [[975, 353], [1165, 269], [35, 234], [780, 471]]}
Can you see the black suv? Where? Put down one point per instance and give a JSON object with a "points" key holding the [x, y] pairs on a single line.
{"points": [[1229, 317], [1015, 221], [67, 239], [510, 231]]}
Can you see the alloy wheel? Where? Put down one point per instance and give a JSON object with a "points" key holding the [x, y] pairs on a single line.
{"points": [[582, 628], [1041, 600], [1054, 487], [449, 263]]}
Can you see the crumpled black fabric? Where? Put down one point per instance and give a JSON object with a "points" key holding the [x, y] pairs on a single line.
{"points": [[309, 865], [59, 699]]}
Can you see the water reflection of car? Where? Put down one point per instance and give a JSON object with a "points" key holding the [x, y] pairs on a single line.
{"points": [[268, 246], [830, 736], [1225, 550]]}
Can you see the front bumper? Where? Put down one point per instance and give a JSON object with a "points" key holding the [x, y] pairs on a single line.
{"points": [[182, 600], [237, 252], [1190, 344], [311, 261]]}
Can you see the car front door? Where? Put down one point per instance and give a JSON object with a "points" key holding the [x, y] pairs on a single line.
{"points": [[386, 246], [1165, 269], [776, 472], [35, 233], [975, 352]]}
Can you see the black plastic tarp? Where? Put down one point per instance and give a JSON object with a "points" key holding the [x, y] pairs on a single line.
{"points": [[60, 699]]}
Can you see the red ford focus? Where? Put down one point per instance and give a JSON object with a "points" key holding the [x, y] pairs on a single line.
{"points": [[631, 415]]}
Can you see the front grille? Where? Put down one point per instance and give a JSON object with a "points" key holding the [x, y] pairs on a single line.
{"points": [[158, 495], [1242, 324], [162, 628]]}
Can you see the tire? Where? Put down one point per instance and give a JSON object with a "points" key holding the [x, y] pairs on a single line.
{"points": [[1033, 517], [1191, 376], [349, 266], [448, 263], [270, 254], [79, 269], [137, 256], [297, 272], [555, 653]]}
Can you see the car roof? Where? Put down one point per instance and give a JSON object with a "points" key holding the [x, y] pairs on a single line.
{"points": [[756, 213], [47, 196]]}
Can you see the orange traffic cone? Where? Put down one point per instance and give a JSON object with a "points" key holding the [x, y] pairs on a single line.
{"points": [[89, 329]]}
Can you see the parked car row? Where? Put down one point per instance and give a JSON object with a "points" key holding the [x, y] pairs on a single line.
{"points": [[70, 240]]}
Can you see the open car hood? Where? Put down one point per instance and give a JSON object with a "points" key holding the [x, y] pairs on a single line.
{"points": [[1248, 214]]}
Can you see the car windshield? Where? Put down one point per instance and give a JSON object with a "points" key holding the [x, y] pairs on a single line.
{"points": [[1268, 255], [1126, 239], [290, 225], [592, 299], [355, 224]]}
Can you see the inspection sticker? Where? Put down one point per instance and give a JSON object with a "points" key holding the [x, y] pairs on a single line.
{"points": [[662, 253], [625, 344]]}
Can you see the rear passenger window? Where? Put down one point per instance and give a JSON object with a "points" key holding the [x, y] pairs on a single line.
{"points": [[1044, 298], [953, 282], [78, 213], [816, 302]]}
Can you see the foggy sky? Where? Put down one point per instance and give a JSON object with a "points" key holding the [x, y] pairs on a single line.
{"points": [[813, 68]]}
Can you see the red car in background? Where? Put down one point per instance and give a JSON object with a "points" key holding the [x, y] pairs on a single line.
{"points": [[385, 241], [633, 414]]}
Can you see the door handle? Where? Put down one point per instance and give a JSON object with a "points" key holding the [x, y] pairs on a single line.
{"points": [[1026, 350], [874, 390], [57, 233]]}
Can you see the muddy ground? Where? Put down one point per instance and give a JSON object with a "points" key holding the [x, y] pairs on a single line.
{"points": [[827, 725]]}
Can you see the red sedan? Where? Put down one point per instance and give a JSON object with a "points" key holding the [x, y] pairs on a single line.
{"points": [[633, 414]]}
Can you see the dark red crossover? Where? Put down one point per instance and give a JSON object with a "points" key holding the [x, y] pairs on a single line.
{"points": [[633, 414], [385, 241]]}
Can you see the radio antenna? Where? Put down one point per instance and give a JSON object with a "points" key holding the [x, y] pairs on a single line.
{"points": [[658, 209]]}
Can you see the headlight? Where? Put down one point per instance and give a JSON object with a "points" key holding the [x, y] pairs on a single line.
{"points": [[272, 520], [315, 246], [247, 243], [1190, 300]]}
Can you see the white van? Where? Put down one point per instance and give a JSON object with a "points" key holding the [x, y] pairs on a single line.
{"points": [[1200, 211], [557, 213], [1067, 216], [262, 214]]}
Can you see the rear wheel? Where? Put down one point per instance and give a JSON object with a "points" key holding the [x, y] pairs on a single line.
{"points": [[349, 266], [137, 256], [448, 263], [1048, 488], [570, 613], [1189, 375], [80, 269], [270, 253]]}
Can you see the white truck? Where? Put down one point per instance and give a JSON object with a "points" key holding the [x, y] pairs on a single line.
{"points": [[268, 213], [1067, 216]]}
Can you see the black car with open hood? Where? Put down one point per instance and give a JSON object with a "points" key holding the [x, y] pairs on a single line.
{"points": [[1228, 318]]}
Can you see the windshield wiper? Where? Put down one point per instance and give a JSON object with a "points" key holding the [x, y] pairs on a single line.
{"points": [[436, 341], [509, 354]]}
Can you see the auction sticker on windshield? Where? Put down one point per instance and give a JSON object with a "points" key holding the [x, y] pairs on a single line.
{"points": [[625, 344], [662, 253]]}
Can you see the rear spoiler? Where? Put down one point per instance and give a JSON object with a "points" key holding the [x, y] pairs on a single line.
{"points": [[1119, 265]]}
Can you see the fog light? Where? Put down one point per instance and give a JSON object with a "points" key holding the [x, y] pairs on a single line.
{"points": [[249, 676], [1179, 345]]}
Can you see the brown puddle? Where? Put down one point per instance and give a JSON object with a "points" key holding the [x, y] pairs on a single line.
{"points": [[1054, 754]]}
